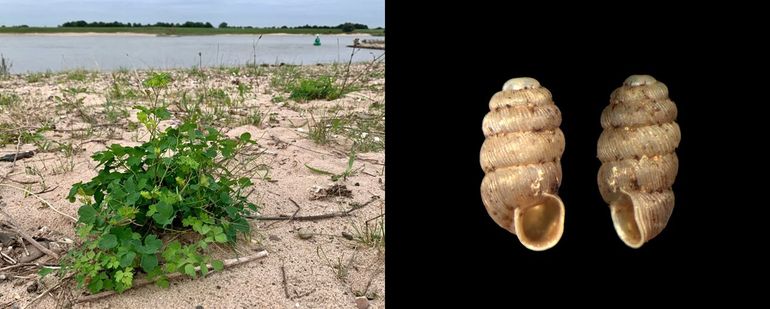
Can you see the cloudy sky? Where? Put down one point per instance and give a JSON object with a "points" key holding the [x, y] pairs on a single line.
{"points": [[234, 12]]}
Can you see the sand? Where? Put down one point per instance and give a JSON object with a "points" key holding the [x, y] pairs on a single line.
{"points": [[312, 281]]}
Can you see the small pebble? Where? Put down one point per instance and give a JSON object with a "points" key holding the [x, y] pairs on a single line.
{"points": [[304, 233], [362, 302], [3, 277], [198, 307], [347, 235], [274, 237]]}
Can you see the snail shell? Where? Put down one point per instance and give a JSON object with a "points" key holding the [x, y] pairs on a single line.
{"points": [[520, 158], [639, 163]]}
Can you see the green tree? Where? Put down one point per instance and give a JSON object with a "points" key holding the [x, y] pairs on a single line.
{"points": [[223, 25], [347, 27]]}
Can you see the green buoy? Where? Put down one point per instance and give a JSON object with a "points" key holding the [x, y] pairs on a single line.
{"points": [[317, 41]]}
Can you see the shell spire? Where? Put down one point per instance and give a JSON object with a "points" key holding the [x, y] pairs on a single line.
{"points": [[639, 162], [521, 161]]}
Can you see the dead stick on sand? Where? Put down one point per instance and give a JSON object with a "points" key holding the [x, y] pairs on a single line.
{"points": [[285, 287], [142, 282], [316, 217], [25, 236], [29, 264], [41, 199], [47, 291], [292, 216]]}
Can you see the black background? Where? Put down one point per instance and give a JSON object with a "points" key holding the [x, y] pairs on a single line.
{"points": [[443, 248]]}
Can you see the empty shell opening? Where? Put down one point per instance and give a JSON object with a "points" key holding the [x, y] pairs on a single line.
{"points": [[624, 219], [539, 227]]}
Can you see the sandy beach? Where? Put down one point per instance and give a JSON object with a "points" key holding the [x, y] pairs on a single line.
{"points": [[329, 266]]}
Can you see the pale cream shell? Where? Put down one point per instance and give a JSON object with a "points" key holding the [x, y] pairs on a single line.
{"points": [[639, 162], [520, 158]]}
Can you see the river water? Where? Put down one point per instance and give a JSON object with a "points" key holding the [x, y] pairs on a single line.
{"points": [[39, 53]]}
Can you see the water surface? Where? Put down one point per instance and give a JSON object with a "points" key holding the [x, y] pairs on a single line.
{"points": [[39, 53]]}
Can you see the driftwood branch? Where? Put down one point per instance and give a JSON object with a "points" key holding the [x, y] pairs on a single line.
{"points": [[12, 157], [142, 282], [26, 237], [335, 214]]}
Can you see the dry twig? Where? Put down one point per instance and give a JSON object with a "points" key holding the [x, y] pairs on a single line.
{"points": [[142, 282], [316, 217]]}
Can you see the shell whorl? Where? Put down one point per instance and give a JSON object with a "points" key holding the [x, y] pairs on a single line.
{"points": [[639, 162], [520, 158]]}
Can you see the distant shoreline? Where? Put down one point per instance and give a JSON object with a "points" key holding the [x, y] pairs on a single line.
{"points": [[164, 31], [65, 34]]}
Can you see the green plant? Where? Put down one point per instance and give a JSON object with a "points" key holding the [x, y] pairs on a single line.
{"points": [[155, 84], [5, 66], [341, 269], [120, 91], [73, 91], [147, 196], [344, 175], [253, 70], [322, 87], [77, 75], [278, 99], [243, 89], [37, 77], [197, 72], [218, 97], [235, 71], [367, 133], [320, 131], [70, 101], [254, 118], [114, 112], [371, 235], [9, 99], [284, 76]]}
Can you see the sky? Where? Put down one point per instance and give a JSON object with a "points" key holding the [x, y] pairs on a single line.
{"points": [[258, 13]]}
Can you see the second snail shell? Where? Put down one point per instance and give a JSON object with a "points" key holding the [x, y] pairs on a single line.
{"points": [[639, 162], [520, 158]]}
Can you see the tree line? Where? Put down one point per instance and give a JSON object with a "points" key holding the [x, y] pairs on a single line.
{"points": [[345, 27], [188, 24]]}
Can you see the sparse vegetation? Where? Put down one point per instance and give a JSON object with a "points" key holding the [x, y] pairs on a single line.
{"points": [[129, 231], [322, 87], [5, 66], [8, 99], [371, 233], [38, 77], [344, 175], [77, 75]]}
